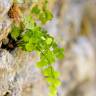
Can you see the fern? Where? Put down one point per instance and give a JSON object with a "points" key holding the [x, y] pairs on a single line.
{"points": [[36, 38]]}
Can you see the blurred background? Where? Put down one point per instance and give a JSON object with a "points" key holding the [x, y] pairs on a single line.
{"points": [[74, 28]]}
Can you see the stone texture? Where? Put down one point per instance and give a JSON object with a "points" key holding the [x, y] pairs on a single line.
{"points": [[4, 7], [4, 20], [6, 64]]}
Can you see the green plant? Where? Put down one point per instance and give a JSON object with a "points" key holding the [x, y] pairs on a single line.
{"points": [[33, 37]]}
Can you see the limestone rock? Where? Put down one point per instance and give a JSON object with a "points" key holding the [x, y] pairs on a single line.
{"points": [[6, 64], [4, 7], [4, 20]]}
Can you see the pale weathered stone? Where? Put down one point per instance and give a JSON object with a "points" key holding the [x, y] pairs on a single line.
{"points": [[6, 64], [4, 28], [4, 7], [4, 20]]}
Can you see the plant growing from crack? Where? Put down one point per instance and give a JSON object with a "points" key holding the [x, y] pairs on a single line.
{"points": [[31, 36]]}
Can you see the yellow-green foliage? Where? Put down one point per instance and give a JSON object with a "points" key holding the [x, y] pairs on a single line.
{"points": [[35, 38]]}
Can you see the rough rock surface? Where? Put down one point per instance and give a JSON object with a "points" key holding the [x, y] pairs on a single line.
{"points": [[4, 20], [6, 69]]}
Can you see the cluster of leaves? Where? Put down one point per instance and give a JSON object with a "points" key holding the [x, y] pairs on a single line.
{"points": [[43, 14], [36, 38]]}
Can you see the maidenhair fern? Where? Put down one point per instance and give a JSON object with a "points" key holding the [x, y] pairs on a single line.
{"points": [[33, 37]]}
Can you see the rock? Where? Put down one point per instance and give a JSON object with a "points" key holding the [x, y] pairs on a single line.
{"points": [[6, 59], [6, 64], [4, 7], [5, 22], [4, 28], [17, 76], [26, 79]]}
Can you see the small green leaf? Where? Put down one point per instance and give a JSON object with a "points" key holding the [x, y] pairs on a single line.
{"points": [[48, 71], [45, 16], [57, 83], [42, 18], [49, 15], [35, 10], [42, 63], [56, 74], [27, 35], [50, 56], [25, 38], [43, 38], [28, 22], [51, 81], [15, 32], [29, 47], [49, 41], [59, 52], [53, 90]]}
